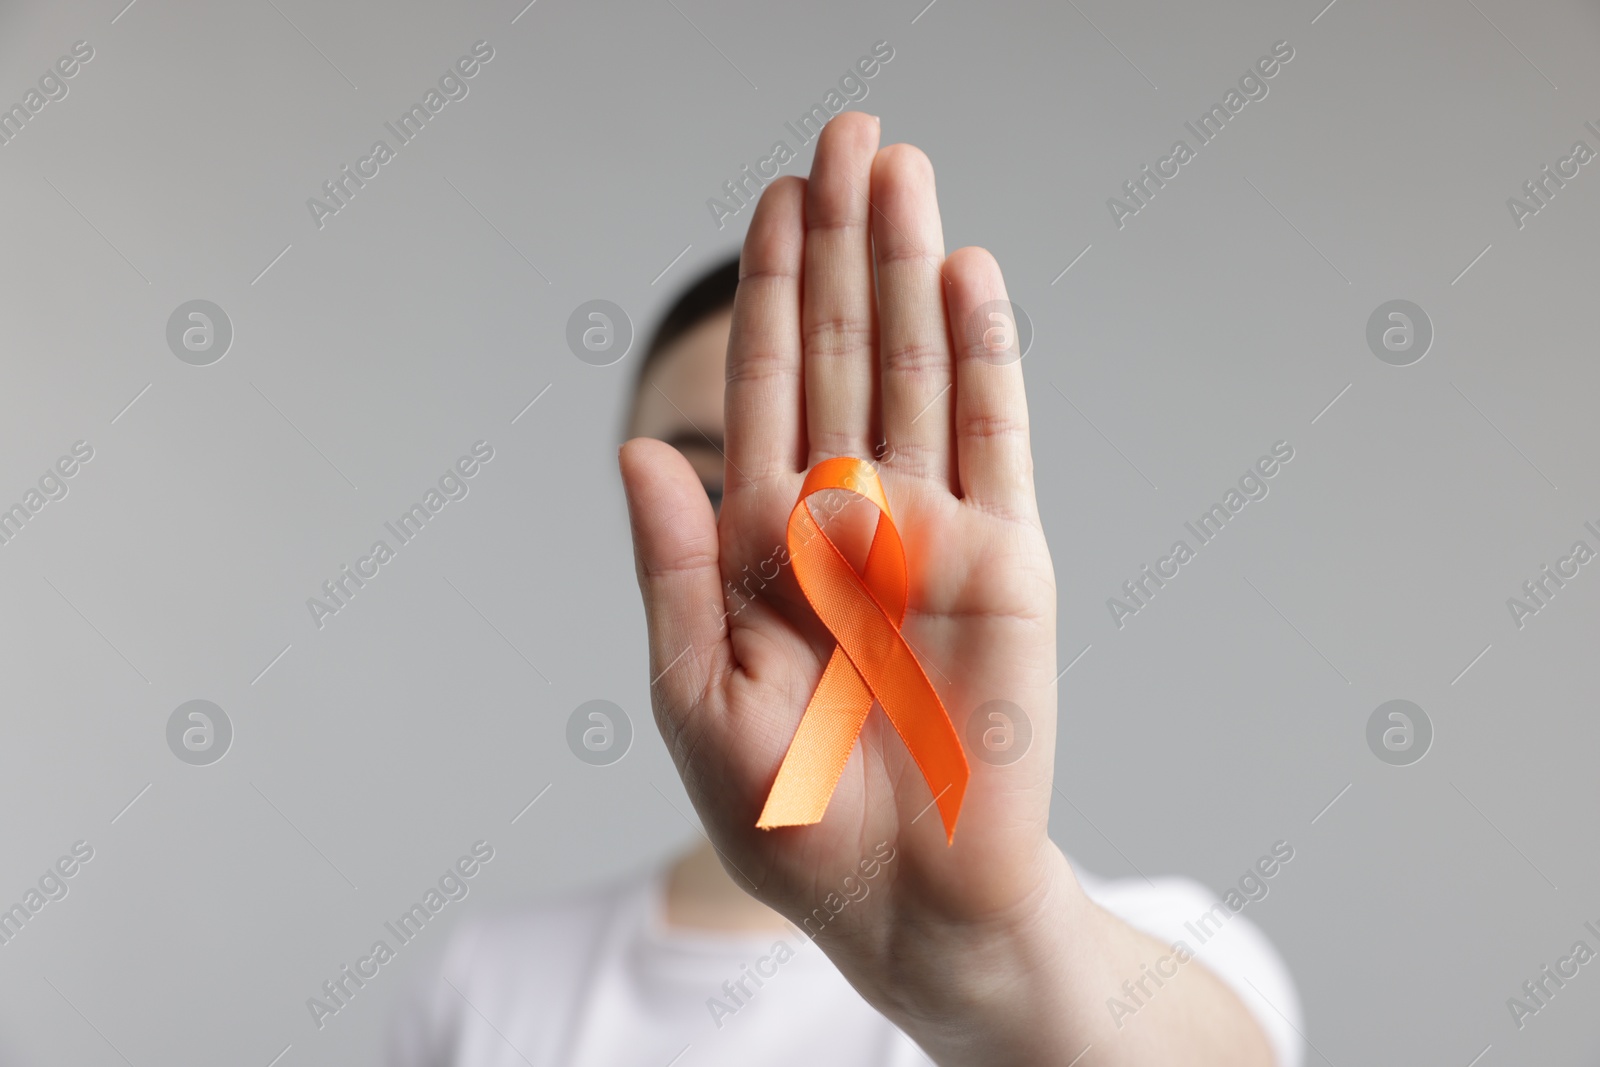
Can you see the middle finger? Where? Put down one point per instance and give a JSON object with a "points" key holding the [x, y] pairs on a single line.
{"points": [[837, 316]]}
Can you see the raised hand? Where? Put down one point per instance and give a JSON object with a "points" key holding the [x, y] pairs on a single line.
{"points": [[824, 363]]}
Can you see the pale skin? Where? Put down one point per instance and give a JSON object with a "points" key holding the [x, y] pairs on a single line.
{"points": [[853, 334]]}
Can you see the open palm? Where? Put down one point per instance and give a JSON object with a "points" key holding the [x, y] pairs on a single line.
{"points": [[854, 335]]}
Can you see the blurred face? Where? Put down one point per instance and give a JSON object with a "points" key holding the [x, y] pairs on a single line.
{"points": [[680, 399]]}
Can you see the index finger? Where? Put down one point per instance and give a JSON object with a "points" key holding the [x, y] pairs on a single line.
{"points": [[764, 386]]}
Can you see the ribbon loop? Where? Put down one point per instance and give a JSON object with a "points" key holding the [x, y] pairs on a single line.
{"points": [[872, 661]]}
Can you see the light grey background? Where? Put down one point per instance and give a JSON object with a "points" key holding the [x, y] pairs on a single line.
{"points": [[424, 317]]}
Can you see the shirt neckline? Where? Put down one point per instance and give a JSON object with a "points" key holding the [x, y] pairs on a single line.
{"points": [[692, 952]]}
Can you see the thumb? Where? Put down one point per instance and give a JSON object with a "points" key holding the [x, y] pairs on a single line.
{"points": [[677, 556]]}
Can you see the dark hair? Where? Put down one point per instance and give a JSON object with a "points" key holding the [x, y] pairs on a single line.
{"points": [[710, 293]]}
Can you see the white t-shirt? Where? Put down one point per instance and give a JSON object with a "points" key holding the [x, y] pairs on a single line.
{"points": [[602, 981]]}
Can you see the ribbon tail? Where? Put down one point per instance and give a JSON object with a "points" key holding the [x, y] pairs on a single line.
{"points": [[821, 746], [933, 743]]}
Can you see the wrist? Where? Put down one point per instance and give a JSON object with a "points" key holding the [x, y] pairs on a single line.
{"points": [[1005, 989]]}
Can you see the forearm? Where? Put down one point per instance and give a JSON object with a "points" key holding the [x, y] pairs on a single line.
{"points": [[1038, 987]]}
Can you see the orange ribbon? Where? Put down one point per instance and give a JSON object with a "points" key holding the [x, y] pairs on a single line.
{"points": [[871, 660]]}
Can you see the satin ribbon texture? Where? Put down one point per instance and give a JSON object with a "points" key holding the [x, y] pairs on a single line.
{"points": [[863, 611]]}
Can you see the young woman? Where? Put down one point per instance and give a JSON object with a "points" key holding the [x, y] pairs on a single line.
{"points": [[867, 938]]}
